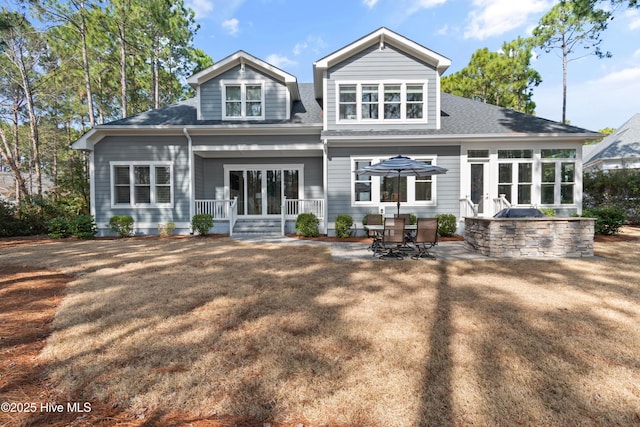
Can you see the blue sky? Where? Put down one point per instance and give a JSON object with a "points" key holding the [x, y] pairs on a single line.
{"points": [[292, 34]]}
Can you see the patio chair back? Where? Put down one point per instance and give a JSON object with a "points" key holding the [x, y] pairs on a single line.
{"points": [[407, 218], [427, 231], [374, 219], [393, 231], [426, 237]]}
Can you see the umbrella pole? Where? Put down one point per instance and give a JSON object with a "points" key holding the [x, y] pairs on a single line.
{"points": [[398, 194]]}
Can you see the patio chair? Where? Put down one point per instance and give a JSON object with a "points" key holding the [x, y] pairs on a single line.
{"points": [[426, 237], [374, 235], [407, 220], [393, 237]]}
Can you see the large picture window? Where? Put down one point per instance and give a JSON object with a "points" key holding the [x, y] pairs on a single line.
{"points": [[242, 101], [374, 190], [141, 184], [375, 101]]}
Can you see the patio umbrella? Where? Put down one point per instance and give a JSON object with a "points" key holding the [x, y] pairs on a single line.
{"points": [[400, 166]]}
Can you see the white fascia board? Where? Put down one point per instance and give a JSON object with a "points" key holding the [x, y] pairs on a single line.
{"points": [[258, 147], [462, 138], [241, 56], [382, 36], [95, 135]]}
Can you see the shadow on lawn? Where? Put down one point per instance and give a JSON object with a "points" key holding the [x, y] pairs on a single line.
{"points": [[548, 361], [274, 332]]}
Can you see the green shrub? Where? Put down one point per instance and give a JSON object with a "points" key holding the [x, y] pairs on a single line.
{"points": [[548, 211], [9, 222], [343, 226], [59, 228], [122, 225], [609, 219], [413, 219], [447, 224], [166, 229], [83, 227], [202, 223], [307, 225]]}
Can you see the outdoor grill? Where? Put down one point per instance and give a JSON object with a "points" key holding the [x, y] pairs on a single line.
{"points": [[519, 213]]}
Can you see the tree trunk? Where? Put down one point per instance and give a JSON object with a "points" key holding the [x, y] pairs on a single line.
{"points": [[564, 80], [85, 65], [33, 125]]}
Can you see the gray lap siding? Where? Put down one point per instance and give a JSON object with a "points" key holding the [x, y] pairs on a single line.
{"points": [[340, 175], [142, 149]]}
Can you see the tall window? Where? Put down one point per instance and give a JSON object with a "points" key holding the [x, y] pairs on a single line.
{"points": [[557, 176], [392, 102], [415, 102], [348, 104], [515, 175], [136, 184], [370, 106], [377, 101], [242, 101], [362, 192]]}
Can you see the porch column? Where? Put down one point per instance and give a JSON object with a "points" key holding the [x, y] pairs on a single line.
{"points": [[325, 183], [192, 175]]}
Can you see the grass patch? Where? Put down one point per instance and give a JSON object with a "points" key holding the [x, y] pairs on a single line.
{"points": [[212, 327]]}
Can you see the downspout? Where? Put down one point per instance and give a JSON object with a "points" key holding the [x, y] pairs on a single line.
{"points": [[192, 198], [325, 183]]}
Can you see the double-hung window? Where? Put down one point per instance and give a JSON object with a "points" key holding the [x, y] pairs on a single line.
{"points": [[515, 175], [376, 101], [242, 100], [375, 190], [558, 175], [141, 184]]}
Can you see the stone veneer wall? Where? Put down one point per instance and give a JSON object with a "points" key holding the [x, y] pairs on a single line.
{"points": [[530, 237]]}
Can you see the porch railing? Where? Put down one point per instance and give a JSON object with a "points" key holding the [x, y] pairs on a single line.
{"points": [[501, 202], [467, 207], [291, 208], [226, 210]]}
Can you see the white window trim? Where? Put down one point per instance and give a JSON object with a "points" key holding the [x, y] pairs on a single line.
{"points": [[411, 181], [152, 172], [381, 84], [243, 99]]}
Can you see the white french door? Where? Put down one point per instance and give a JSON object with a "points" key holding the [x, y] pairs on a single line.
{"points": [[260, 188]]}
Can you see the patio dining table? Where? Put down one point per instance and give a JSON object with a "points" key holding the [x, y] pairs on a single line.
{"points": [[378, 229]]}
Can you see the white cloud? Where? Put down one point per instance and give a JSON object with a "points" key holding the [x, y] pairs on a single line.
{"points": [[495, 17], [202, 8], [280, 61], [443, 31], [416, 5], [232, 26], [634, 19], [315, 43], [370, 3]]}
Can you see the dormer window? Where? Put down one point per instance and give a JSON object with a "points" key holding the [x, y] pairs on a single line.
{"points": [[391, 102], [242, 100]]}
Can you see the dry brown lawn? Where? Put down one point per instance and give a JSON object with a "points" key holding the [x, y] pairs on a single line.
{"points": [[215, 328]]}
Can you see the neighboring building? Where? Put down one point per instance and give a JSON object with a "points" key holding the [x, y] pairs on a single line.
{"points": [[619, 150], [255, 135]]}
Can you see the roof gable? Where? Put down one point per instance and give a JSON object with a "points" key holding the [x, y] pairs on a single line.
{"points": [[380, 37], [241, 58], [624, 142]]}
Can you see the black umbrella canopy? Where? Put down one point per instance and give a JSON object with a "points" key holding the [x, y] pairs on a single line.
{"points": [[399, 166]]}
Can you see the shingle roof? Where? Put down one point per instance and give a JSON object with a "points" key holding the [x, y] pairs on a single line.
{"points": [[624, 142], [462, 116], [305, 111], [459, 116]]}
